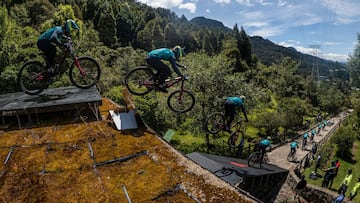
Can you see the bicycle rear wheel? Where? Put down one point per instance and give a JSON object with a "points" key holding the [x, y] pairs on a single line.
{"points": [[215, 122], [91, 73], [181, 101], [140, 80], [31, 78]]}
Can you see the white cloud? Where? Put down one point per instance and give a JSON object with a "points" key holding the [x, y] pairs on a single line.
{"points": [[162, 3], [315, 52], [245, 2], [189, 6], [256, 24], [222, 1], [171, 4], [268, 31], [282, 3]]}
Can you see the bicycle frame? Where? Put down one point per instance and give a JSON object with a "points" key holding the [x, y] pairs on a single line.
{"points": [[70, 51]]}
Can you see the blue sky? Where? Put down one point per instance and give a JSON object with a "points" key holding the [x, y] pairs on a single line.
{"points": [[325, 28]]}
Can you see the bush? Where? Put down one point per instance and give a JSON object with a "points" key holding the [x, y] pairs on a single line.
{"points": [[344, 139]]}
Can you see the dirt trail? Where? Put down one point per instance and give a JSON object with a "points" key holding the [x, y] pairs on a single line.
{"points": [[278, 156]]}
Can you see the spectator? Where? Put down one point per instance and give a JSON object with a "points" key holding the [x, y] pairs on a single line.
{"points": [[340, 198], [329, 175], [353, 192], [337, 164], [313, 150], [318, 162], [345, 183], [300, 186]]}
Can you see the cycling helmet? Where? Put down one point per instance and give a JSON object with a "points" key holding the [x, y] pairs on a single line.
{"points": [[268, 137], [242, 97], [69, 25], [179, 52]]}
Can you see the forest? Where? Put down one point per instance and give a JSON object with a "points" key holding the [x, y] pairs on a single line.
{"points": [[280, 96]]}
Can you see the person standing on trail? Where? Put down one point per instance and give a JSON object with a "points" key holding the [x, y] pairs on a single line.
{"points": [[230, 109], [313, 149], [329, 175], [353, 192]]}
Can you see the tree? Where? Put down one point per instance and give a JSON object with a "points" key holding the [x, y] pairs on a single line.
{"points": [[244, 46], [171, 36], [354, 65]]}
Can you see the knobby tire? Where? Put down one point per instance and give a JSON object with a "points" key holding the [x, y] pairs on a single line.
{"points": [[32, 78], [215, 123], [91, 76], [181, 101], [140, 80]]}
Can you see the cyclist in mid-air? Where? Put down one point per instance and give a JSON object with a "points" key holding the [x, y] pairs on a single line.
{"points": [[264, 143], [53, 36], [293, 146], [154, 59], [230, 109]]}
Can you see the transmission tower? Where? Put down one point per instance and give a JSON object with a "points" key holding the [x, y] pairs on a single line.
{"points": [[315, 50]]}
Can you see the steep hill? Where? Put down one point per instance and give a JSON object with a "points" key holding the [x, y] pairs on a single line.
{"points": [[268, 52]]}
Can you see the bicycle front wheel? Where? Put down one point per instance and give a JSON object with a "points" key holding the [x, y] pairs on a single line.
{"points": [[90, 74], [31, 78], [234, 140], [140, 80], [215, 122], [181, 101]]}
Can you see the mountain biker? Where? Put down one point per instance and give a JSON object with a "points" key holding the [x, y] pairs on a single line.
{"points": [[293, 146], [53, 36], [305, 136], [230, 109], [264, 143], [154, 59], [313, 133]]}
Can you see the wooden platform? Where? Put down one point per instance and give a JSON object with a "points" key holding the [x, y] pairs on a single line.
{"points": [[50, 100]]}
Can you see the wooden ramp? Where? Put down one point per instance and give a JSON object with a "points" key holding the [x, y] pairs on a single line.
{"points": [[27, 108]]}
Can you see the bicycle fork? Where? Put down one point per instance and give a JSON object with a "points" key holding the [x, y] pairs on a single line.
{"points": [[77, 64]]}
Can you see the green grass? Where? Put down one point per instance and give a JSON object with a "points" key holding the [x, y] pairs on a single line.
{"points": [[341, 173]]}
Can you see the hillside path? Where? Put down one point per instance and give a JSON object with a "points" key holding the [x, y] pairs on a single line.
{"points": [[278, 156]]}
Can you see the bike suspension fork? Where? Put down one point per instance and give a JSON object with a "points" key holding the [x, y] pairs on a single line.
{"points": [[77, 63]]}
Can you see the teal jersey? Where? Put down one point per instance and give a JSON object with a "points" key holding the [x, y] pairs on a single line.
{"points": [[313, 131], [306, 135], [293, 145], [236, 100], [163, 54], [53, 34], [265, 142]]}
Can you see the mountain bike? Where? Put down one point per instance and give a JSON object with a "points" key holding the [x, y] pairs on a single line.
{"points": [[303, 145], [216, 123], [255, 159], [84, 72], [291, 156], [141, 81]]}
